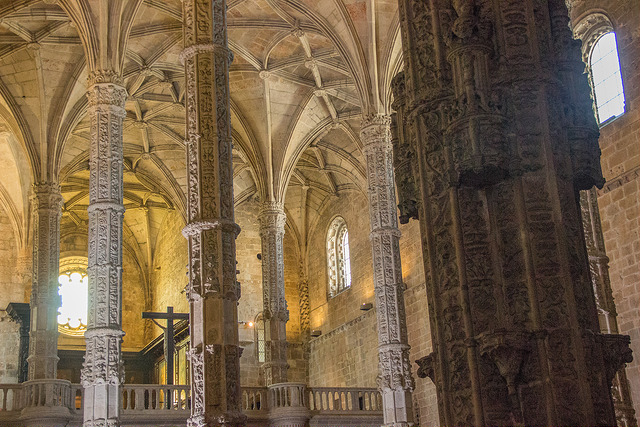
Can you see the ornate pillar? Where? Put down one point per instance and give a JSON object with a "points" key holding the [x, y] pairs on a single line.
{"points": [[45, 300], [102, 373], [275, 314], [213, 292], [394, 379], [497, 113], [599, 266]]}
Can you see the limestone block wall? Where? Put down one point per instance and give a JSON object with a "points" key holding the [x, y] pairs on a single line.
{"points": [[619, 200], [347, 353], [425, 404], [295, 352], [248, 246], [12, 291], [169, 273]]}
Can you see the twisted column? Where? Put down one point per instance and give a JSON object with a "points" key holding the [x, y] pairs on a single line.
{"points": [[275, 314], [394, 380], [45, 300], [102, 373], [213, 291]]}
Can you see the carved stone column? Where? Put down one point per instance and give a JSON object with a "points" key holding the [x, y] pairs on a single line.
{"points": [[599, 266], [213, 291], [275, 314], [394, 379], [497, 113], [102, 373], [45, 300]]}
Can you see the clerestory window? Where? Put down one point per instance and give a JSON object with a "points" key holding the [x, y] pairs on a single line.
{"points": [[606, 79], [338, 257]]}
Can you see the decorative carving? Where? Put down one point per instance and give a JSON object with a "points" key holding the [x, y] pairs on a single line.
{"points": [[275, 313], [45, 300], [213, 290], [493, 108], [394, 380], [103, 369]]}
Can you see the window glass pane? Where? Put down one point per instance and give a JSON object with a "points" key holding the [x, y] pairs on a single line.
{"points": [[73, 290], [347, 260], [606, 77]]}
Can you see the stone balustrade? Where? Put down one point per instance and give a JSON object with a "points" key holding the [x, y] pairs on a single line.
{"points": [[284, 404]]}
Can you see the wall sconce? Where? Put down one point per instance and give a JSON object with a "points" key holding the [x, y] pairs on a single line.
{"points": [[245, 324], [366, 306], [316, 333]]}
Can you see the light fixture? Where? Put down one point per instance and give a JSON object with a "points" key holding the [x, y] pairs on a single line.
{"points": [[316, 333], [366, 306], [245, 324]]}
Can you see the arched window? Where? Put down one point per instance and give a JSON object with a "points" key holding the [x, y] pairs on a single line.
{"points": [[338, 257], [73, 290], [606, 79], [260, 339]]}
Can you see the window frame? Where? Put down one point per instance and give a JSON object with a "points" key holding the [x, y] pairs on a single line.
{"points": [[68, 266], [590, 29], [337, 268]]}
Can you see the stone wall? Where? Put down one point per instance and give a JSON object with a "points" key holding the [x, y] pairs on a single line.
{"points": [[248, 246], [12, 291], [169, 273], [619, 200]]}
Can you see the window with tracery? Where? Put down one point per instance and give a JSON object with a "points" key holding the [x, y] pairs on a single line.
{"points": [[600, 54], [260, 339], [73, 290], [606, 78], [338, 257]]}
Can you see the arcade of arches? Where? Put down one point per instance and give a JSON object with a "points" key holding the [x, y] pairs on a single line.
{"points": [[180, 156]]}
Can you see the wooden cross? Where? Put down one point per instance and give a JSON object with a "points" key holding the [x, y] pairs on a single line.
{"points": [[169, 334]]}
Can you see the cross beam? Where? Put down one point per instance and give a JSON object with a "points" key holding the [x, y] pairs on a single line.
{"points": [[169, 334]]}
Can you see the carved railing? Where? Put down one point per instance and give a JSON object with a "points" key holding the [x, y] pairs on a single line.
{"points": [[162, 405], [154, 398], [329, 399], [46, 393], [10, 397]]}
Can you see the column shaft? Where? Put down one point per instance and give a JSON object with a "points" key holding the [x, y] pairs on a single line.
{"points": [[275, 313], [394, 380], [497, 116], [102, 373], [213, 291], [45, 300]]}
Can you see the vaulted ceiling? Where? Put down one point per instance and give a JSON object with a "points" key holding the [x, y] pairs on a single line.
{"points": [[304, 73]]}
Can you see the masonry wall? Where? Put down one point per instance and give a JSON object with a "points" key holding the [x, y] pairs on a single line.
{"points": [[12, 291], [619, 200], [169, 273], [296, 350], [248, 246]]}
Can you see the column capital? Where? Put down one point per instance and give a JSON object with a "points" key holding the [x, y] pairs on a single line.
{"points": [[46, 195], [375, 132], [272, 216]]}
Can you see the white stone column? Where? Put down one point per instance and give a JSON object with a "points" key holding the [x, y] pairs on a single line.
{"points": [[394, 379], [102, 374], [213, 291], [45, 300], [275, 314]]}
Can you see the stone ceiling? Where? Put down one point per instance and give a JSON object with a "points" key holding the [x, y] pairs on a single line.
{"points": [[304, 73]]}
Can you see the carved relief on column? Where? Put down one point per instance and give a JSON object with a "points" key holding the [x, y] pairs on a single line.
{"points": [[495, 111], [102, 373], [599, 267], [394, 379], [212, 291], [275, 313], [45, 300]]}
